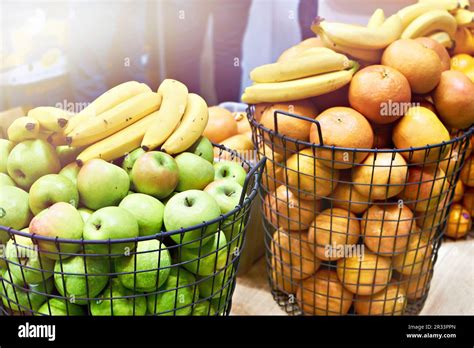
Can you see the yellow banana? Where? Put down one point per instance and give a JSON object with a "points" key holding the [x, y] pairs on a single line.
{"points": [[191, 127], [377, 19], [410, 13], [464, 18], [50, 118], [23, 128], [431, 21], [299, 67], [107, 101], [175, 96], [362, 37], [298, 89], [448, 5], [443, 38], [120, 143], [316, 51], [115, 119]]}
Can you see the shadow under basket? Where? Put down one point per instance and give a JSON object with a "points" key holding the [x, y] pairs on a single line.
{"points": [[353, 231], [190, 271]]}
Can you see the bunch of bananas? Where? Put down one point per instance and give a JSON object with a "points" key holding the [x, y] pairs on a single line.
{"points": [[122, 119], [316, 71]]}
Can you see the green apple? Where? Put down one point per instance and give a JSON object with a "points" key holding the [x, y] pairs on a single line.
{"points": [[26, 262], [30, 160], [234, 233], [156, 174], [139, 271], [176, 296], [219, 304], [216, 285], [5, 147], [71, 171], [187, 209], [194, 172], [60, 220], [117, 300], [203, 308], [5, 180], [230, 170], [67, 154], [79, 279], [130, 160], [102, 184], [203, 148], [226, 192], [85, 213], [51, 189], [23, 297], [14, 210], [110, 223], [60, 307], [207, 259], [147, 210]]}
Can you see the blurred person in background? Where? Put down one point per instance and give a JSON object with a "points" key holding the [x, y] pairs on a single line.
{"points": [[307, 11]]}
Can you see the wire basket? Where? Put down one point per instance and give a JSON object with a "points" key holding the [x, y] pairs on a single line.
{"points": [[189, 271], [353, 231]]}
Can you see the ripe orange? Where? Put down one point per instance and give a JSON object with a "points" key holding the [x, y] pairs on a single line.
{"points": [[273, 174], [390, 301], [386, 228], [221, 125], [364, 275], [458, 192], [467, 172], [332, 231], [323, 294], [345, 196], [260, 109], [468, 200], [464, 41], [416, 285], [450, 164], [439, 49], [418, 254], [380, 177], [459, 222], [420, 65], [430, 221], [342, 127], [282, 282], [380, 93]]}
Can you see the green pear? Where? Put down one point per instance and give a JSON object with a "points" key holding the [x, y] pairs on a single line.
{"points": [[60, 307], [176, 296], [30, 160], [203, 308], [194, 172], [203, 148], [5, 147], [60, 220], [102, 184], [71, 171], [23, 297], [191, 208], [150, 256], [130, 159], [14, 210], [110, 301], [110, 223], [26, 262], [5, 180], [209, 258], [147, 210], [230, 170], [85, 213], [67, 154], [226, 192], [81, 280], [51, 189]]}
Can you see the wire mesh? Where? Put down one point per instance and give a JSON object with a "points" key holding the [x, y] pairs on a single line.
{"points": [[353, 231], [190, 271]]}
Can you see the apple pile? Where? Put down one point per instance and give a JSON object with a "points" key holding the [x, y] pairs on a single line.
{"points": [[142, 194]]}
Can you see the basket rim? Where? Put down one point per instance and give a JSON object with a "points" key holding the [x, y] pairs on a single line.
{"points": [[248, 199], [254, 123]]}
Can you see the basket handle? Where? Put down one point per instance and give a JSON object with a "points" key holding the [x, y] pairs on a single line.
{"points": [[257, 168], [304, 118]]}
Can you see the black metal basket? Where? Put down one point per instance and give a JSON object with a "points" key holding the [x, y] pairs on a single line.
{"points": [[159, 275], [361, 240]]}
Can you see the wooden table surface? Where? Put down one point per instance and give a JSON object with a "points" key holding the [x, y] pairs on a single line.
{"points": [[451, 292]]}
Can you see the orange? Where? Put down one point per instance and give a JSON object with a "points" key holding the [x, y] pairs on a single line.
{"points": [[468, 200], [284, 210], [282, 282], [323, 294], [458, 192], [430, 221], [390, 301], [292, 251], [450, 164], [417, 255], [260, 109], [464, 41], [416, 285], [467, 172], [454, 99], [308, 177], [332, 231], [365, 275], [221, 124], [462, 62], [386, 228], [346, 197], [380, 176], [243, 124], [418, 128], [459, 222], [380, 93], [273, 174], [439, 49], [342, 127], [420, 65]]}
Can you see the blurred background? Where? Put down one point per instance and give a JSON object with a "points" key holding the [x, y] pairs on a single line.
{"points": [[66, 53]]}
